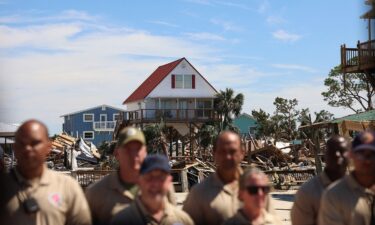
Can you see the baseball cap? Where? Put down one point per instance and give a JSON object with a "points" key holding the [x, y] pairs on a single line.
{"points": [[155, 162], [129, 134], [364, 140]]}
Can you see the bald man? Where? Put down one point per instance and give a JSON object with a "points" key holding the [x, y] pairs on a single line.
{"points": [[215, 199], [307, 200], [33, 194]]}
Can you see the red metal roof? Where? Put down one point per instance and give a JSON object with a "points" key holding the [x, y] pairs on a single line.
{"points": [[152, 81]]}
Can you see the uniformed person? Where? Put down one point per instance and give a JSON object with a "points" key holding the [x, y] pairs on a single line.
{"points": [[151, 207], [254, 189], [33, 194], [307, 200], [215, 199], [350, 200], [117, 190]]}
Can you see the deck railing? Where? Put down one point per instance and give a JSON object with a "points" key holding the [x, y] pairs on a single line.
{"points": [[171, 115], [104, 125], [362, 57]]}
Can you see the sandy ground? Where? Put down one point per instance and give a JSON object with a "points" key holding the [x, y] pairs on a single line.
{"points": [[282, 201]]}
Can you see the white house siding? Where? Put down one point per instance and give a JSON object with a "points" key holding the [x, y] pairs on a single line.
{"points": [[165, 90]]}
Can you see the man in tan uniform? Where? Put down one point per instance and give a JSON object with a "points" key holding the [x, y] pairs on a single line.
{"points": [[117, 190], [215, 199], [350, 200], [33, 194], [151, 207], [307, 200], [254, 189]]}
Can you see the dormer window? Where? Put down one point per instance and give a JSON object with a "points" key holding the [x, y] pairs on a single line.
{"points": [[186, 81]]}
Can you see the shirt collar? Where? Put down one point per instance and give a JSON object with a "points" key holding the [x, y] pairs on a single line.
{"points": [[42, 180], [216, 181], [325, 179], [353, 184], [118, 186], [146, 214]]}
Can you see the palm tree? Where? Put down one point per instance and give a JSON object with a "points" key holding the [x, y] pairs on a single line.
{"points": [[228, 105]]}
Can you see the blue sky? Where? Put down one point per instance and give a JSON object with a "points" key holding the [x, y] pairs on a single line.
{"points": [[63, 56]]}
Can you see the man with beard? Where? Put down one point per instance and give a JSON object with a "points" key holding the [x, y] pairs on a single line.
{"points": [[117, 190], [151, 207]]}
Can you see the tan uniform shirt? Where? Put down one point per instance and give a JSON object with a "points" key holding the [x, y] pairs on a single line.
{"points": [[60, 199], [212, 202], [240, 219], [307, 200], [137, 214], [108, 196], [346, 202]]}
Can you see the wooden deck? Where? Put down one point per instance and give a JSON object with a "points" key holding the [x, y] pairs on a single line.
{"points": [[360, 59]]}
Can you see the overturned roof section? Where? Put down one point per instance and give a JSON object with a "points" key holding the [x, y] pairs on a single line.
{"points": [[152, 81]]}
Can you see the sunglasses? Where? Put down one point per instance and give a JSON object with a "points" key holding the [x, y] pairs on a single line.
{"points": [[254, 190]]}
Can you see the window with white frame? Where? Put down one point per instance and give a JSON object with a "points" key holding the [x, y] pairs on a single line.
{"points": [[116, 116], [188, 81], [88, 117], [179, 81], [184, 81], [88, 135]]}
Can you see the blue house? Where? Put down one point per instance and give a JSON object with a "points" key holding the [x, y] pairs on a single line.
{"points": [[246, 124], [95, 124]]}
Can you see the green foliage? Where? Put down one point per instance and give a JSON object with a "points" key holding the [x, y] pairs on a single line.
{"points": [[227, 105], [155, 137], [282, 125], [354, 92], [321, 116]]}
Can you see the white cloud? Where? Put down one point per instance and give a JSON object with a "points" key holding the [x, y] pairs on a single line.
{"points": [[294, 67], [163, 23], [263, 6], [205, 36], [275, 20], [285, 36], [226, 25]]}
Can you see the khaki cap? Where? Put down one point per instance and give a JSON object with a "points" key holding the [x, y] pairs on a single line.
{"points": [[129, 134]]}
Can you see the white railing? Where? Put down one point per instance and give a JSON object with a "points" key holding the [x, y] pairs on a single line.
{"points": [[104, 125]]}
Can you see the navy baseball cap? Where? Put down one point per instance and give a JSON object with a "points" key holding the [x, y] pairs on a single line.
{"points": [[364, 141], [155, 162]]}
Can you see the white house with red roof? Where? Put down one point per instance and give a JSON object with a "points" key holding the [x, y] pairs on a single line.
{"points": [[175, 93]]}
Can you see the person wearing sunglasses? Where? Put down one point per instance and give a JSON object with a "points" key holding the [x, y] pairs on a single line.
{"points": [[254, 191], [350, 200], [33, 194], [307, 199], [215, 199]]}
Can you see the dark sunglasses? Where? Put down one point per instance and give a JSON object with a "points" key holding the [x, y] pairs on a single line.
{"points": [[254, 190]]}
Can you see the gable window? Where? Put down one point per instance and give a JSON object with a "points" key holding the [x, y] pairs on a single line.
{"points": [[88, 135], [88, 117], [186, 81], [179, 81]]}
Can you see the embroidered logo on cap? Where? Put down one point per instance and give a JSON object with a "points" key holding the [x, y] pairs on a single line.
{"points": [[131, 132], [55, 199]]}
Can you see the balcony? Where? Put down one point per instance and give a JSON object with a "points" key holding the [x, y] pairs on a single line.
{"points": [[104, 126], [171, 115], [360, 59]]}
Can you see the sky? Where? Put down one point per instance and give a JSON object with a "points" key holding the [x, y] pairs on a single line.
{"points": [[58, 57]]}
